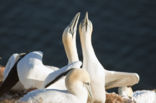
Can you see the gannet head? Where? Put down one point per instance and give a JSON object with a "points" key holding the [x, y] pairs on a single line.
{"points": [[69, 40], [76, 79], [86, 26], [70, 30]]}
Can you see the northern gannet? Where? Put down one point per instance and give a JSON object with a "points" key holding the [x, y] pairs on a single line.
{"points": [[11, 78], [69, 42], [78, 88], [27, 73], [99, 74], [32, 72], [139, 96], [91, 63]]}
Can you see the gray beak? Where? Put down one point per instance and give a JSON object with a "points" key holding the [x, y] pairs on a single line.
{"points": [[85, 21], [74, 22], [89, 90]]}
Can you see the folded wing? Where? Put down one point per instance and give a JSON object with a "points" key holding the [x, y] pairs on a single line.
{"points": [[119, 79]]}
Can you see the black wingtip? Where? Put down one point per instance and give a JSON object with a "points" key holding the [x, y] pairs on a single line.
{"points": [[58, 77], [11, 79]]}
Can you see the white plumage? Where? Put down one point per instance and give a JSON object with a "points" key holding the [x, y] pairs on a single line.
{"points": [[139, 96], [69, 42], [32, 72], [91, 63], [100, 77], [144, 96], [77, 83]]}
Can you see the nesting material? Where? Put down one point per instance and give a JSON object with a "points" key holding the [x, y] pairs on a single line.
{"points": [[115, 98], [11, 97], [2, 68]]}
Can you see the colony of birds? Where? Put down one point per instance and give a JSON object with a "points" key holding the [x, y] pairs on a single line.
{"points": [[72, 83]]}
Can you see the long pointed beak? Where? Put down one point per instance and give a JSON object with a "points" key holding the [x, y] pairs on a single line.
{"points": [[86, 18], [89, 91], [74, 22], [85, 21]]}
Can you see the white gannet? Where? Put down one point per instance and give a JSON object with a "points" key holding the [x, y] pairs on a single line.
{"points": [[109, 79], [69, 42], [32, 72], [91, 63], [78, 88], [11, 74], [144, 96], [28, 73], [139, 96]]}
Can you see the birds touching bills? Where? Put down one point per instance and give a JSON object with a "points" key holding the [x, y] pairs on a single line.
{"points": [[30, 70], [32, 73]]}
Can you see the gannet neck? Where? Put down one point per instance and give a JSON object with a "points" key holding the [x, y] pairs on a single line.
{"points": [[69, 40], [86, 45], [90, 61], [70, 48], [85, 30], [75, 83]]}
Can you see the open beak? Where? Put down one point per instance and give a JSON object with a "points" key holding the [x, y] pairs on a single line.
{"points": [[89, 90], [74, 22]]}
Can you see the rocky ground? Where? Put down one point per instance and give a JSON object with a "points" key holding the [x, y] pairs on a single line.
{"points": [[11, 97]]}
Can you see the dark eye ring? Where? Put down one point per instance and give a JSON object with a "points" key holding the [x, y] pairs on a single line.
{"points": [[87, 83]]}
